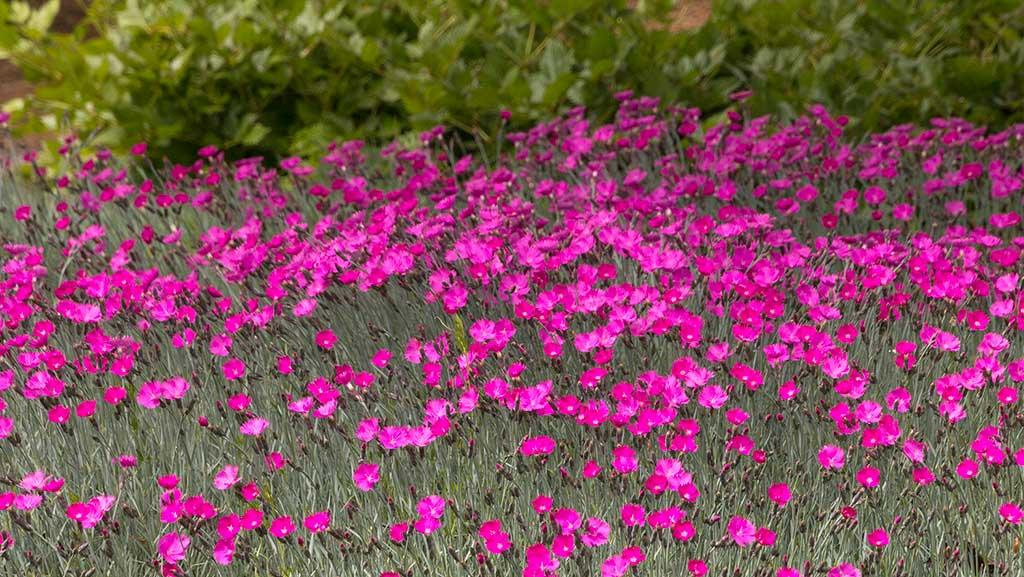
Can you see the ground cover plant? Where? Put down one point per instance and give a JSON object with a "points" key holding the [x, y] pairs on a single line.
{"points": [[632, 348]]}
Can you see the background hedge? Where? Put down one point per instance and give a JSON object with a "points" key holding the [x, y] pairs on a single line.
{"points": [[282, 76]]}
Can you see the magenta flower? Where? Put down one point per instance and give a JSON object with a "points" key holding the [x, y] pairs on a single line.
{"points": [[398, 531], [366, 476], [541, 504], [596, 532], [326, 339], [742, 531], [542, 445], [172, 547], [318, 522], [632, 514], [233, 369], [1011, 513], [923, 476], [624, 460], [89, 514], [831, 457], [254, 427], [683, 531], [878, 538], [431, 507], [282, 527], [844, 570], [563, 545], [568, 520], [226, 478], [427, 525], [614, 566], [380, 358], [224, 551], [765, 537], [868, 477], [780, 494], [967, 469]]}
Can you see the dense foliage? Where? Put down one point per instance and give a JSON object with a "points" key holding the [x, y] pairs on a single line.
{"points": [[634, 348], [280, 75]]}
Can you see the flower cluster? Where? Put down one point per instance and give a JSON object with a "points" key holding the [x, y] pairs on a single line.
{"points": [[654, 346]]}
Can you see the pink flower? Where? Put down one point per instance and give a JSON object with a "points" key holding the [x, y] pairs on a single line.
{"points": [[923, 476], [542, 445], [251, 519], [431, 507], [228, 526], [250, 492], [397, 532], [633, 555], [34, 481], [281, 527], [765, 537], [318, 522], [712, 397], [27, 502], [89, 514], [1011, 513], [254, 427], [59, 414], [233, 369], [914, 450], [366, 476], [226, 478], [326, 339], [844, 570], [742, 531], [632, 514], [624, 460], [614, 566], [563, 546], [489, 529], [167, 481], [172, 547], [427, 525], [967, 469], [114, 395], [224, 551], [788, 391], [878, 538], [380, 358], [683, 531], [596, 533], [541, 504], [868, 477], [284, 365], [831, 457], [780, 494], [498, 544], [274, 461]]}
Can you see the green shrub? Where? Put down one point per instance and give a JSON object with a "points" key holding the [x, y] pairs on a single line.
{"points": [[276, 76]]}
